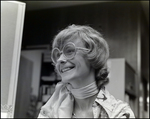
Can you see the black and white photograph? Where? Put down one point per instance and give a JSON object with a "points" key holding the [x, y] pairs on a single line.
{"points": [[74, 59]]}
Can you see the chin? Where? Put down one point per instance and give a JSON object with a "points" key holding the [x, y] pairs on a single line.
{"points": [[67, 79]]}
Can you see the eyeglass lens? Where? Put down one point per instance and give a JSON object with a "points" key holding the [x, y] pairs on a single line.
{"points": [[69, 52]]}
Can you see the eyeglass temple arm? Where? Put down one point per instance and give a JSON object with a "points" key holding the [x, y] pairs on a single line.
{"points": [[83, 48]]}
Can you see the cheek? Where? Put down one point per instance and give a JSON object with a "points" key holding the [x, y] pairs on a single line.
{"points": [[83, 64], [86, 62], [57, 69]]}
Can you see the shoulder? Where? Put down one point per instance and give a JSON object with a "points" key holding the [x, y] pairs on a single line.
{"points": [[122, 110], [115, 108]]}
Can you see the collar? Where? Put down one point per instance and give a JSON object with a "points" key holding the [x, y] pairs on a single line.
{"points": [[106, 100]]}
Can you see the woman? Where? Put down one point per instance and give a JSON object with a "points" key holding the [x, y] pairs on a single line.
{"points": [[80, 56]]}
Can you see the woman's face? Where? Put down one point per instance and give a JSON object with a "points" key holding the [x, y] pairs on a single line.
{"points": [[77, 69]]}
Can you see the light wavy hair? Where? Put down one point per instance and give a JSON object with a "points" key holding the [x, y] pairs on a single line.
{"points": [[93, 40]]}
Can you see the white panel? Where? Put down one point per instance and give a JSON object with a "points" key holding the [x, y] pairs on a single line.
{"points": [[12, 18], [8, 26], [116, 85]]}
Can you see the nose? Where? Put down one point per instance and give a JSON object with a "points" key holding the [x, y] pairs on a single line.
{"points": [[62, 59]]}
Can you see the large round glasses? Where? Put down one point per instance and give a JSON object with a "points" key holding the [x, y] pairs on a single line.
{"points": [[69, 51]]}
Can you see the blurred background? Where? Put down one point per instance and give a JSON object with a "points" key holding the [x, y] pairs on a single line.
{"points": [[124, 25]]}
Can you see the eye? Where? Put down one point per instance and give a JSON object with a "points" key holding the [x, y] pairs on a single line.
{"points": [[69, 50]]}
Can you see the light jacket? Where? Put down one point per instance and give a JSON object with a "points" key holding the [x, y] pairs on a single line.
{"points": [[106, 106]]}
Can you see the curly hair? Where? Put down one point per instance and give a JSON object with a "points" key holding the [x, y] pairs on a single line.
{"points": [[93, 40]]}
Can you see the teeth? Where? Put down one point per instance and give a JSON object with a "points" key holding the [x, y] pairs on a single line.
{"points": [[66, 69]]}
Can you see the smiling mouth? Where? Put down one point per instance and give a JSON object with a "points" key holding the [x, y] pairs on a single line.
{"points": [[67, 69]]}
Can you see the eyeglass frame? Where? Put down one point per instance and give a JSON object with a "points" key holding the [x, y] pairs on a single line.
{"points": [[61, 52]]}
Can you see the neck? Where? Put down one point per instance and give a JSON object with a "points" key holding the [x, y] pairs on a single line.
{"points": [[83, 81], [84, 104]]}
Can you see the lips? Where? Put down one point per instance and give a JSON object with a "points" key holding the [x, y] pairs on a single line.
{"points": [[66, 69]]}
